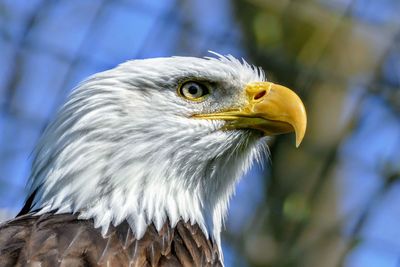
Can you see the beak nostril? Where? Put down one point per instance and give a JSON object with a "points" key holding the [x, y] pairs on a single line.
{"points": [[259, 95]]}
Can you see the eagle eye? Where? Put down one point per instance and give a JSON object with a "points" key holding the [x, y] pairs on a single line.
{"points": [[194, 91]]}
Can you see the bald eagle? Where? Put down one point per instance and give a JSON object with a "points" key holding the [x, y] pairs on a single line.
{"points": [[139, 164]]}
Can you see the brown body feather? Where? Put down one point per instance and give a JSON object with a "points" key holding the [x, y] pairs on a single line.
{"points": [[63, 240]]}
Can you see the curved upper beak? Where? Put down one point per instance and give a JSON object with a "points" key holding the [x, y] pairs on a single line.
{"points": [[270, 108]]}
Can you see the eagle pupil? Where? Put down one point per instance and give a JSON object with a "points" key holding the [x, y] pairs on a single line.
{"points": [[193, 90]]}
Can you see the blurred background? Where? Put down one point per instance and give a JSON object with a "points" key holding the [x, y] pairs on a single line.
{"points": [[335, 201]]}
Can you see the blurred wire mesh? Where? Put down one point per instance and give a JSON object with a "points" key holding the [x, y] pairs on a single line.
{"points": [[333, 202]]}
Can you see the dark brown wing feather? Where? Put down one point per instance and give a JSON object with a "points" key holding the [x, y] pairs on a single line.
{"points": [[63, 240]]}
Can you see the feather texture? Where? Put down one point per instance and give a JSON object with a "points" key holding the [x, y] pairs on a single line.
{"points": [[64, 240], [124, 146], [125, 155]]}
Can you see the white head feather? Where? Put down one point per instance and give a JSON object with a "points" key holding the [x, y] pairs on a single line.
{"points": [[124, 146]]}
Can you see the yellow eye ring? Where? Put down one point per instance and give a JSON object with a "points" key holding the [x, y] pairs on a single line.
{"points": [[193, 91]]}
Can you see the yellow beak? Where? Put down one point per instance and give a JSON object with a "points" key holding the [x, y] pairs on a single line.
{"points": [[271, 108]]}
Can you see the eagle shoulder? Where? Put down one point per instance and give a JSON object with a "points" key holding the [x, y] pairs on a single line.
{"points": [[64, 240]]}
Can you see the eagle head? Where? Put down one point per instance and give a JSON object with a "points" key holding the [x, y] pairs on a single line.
{"points": [[160, 140]]}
